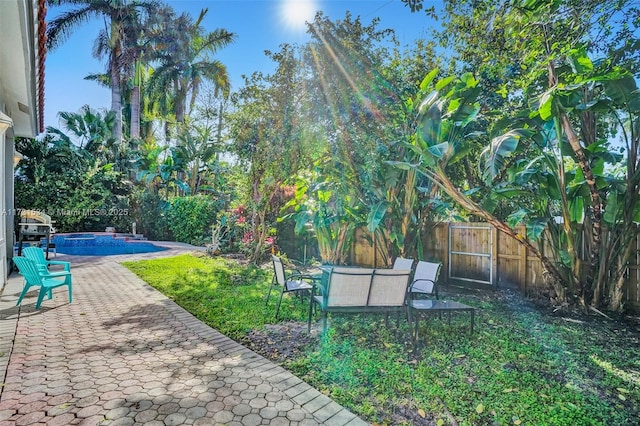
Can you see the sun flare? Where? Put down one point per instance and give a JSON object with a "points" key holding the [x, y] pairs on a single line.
{"points": [[296, 12]]}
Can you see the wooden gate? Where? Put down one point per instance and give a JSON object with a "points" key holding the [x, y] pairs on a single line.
{"points": [[471, 254]]}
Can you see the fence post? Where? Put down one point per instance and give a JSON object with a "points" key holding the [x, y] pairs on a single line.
{"points": [[494, 256], [444, 253], [522, 262]]}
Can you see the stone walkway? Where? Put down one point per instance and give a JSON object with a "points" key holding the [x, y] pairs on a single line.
{"points": [[124, 354]]}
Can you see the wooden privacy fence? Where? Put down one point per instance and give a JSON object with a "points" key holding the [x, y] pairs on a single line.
{"points": [[478, 254]]}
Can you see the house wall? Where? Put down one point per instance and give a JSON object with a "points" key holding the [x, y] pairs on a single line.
{"points": [[8, 208], [18, 106], [4, 259]]}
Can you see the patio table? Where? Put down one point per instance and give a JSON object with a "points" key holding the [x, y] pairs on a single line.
{"points": [[421, 306]]}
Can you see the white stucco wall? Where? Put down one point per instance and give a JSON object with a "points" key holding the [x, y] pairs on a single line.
{"points": [[18, 105]]}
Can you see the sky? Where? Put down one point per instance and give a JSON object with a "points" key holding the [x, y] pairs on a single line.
{"points": [[259, 25]]}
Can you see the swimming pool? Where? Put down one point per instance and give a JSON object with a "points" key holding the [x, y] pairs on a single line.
{"points": [[101, 245]]}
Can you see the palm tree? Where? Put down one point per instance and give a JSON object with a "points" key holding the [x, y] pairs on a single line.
{"points": [[122, 21], [185, 62]]}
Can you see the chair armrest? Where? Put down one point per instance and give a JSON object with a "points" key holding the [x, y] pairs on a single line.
{"points": [[55, 274], [434, 290], [67, 265], [322, 290], [422, 279], [319, 291], [301, 276]]}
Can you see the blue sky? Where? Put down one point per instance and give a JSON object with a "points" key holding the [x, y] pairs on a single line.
{"points": [[259, 25]]}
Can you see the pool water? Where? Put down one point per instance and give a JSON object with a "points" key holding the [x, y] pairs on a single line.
{"points": [[101, 245]]}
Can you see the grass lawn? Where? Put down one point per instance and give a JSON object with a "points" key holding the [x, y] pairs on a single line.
{"points": [[522, 365]]}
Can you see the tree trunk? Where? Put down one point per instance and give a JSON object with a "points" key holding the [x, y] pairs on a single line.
{"points": [[135, 104], [410, 198], [259, 218], [114, 63], [180, 102], [615, 302], [116, 102], [585, 292], [596, 205]]}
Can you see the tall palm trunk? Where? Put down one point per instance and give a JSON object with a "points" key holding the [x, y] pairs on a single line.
{"points": [[116, 95], [135, 103]]}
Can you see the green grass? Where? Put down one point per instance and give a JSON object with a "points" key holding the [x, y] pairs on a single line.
{"points": [[221, 293], [520, 367]]}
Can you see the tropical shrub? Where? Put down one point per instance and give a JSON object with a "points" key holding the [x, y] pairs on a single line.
{"points": [[149, 212], [190, 218], [100, 201]]}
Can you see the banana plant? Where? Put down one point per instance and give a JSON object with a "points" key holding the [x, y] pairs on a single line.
{"points": [[323, 201], [534, 155], [447, 127], [158, 167]]}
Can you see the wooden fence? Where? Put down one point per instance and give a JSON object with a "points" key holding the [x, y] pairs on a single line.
{"points": [[478, 254]]}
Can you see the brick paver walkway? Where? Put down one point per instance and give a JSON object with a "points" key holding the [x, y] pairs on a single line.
{"points": [[124, 354]]}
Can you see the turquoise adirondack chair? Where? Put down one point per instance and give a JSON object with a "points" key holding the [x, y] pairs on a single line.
{"points": [[37, 255], [34, 277]]}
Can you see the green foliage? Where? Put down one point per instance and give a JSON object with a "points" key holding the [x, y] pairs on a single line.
{"points": [[83, 188], [149, 211], [353, 104], [321, 204], [521, 366], [91, 206], [271, 140], [549, 113], [190, 218]]}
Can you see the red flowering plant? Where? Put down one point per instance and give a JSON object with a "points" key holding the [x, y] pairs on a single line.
{"points": [[249, 242], [235, 224], [240, 236]]}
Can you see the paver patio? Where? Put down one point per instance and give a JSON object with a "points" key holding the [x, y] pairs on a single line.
{"points": [[122, 354]]}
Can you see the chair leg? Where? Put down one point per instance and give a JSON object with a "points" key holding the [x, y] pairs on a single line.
{"points": [[43, 291], [417, 328], [24, 292], [70, 286], [268, 294], [279, 302], [324, 322], [310, 315], [273, 282]]}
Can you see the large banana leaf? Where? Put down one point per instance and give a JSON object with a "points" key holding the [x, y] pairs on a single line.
{"points": [[623, 91], [376, 214], [494, 155], [536, 227]]}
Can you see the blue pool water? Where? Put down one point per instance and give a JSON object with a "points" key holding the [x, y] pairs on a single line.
{"points": [[101, 245]]}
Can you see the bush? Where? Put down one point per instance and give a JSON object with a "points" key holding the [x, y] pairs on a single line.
{"points": [[190, 218], [78, 200], [149, 211]]}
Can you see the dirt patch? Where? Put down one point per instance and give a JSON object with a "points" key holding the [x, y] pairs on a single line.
{"points": [[281, 342]]}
